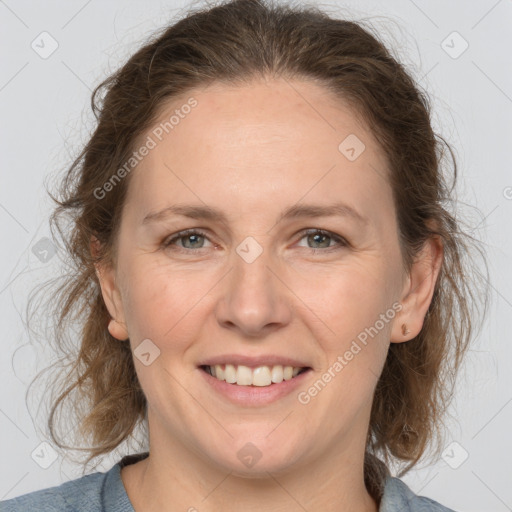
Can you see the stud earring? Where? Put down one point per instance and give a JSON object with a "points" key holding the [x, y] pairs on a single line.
{"points": [[405, 331]]}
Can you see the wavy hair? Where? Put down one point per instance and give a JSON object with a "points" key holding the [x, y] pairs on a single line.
{"points": [[236, 42]]}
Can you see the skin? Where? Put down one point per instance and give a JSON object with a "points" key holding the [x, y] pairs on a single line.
{"points": [[252, 151]]}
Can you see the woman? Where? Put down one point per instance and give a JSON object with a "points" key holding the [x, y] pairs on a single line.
{"points": [[272, 373]]}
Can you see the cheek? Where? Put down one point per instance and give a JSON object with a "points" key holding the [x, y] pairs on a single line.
{"points": [[348, 298], [351, 312], [356, 312], [160, 301]]}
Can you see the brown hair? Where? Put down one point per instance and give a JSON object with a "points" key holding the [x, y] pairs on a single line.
{"points": [[235, 42]]}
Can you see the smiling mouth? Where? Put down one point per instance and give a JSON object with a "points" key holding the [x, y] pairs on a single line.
{"points": [[260, 376]]}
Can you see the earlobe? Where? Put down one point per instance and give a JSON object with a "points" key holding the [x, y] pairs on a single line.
{"points": [[418, 291], [111, 296], [112, 299], [117, 330]]}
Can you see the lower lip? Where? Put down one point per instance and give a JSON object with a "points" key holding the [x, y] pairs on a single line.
{"points": [[254, 395]]}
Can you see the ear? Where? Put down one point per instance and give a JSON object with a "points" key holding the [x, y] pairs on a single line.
{"points": [[418, 290], [107, 278]]}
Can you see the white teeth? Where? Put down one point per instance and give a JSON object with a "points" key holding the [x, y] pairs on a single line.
{"points": [[277, 374], [288, 372], [219, 372], [243, 376], [230, 374], [259, 376]]}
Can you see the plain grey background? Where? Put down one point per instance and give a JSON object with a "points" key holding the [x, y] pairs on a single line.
{"points": [[44, 102]]}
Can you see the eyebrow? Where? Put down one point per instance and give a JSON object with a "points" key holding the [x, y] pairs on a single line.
{"points": [[200, 212]]}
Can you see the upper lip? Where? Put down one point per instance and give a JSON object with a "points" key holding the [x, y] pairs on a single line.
{"points": [[253, 361]]}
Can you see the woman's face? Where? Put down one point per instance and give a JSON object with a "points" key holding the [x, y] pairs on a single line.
{"points": [[254, 167]]}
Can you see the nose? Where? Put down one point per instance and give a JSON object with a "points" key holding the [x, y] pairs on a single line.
{"points": [[254, 300]]}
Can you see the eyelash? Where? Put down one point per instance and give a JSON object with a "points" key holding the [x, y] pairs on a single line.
{"points": [[341, 241]]}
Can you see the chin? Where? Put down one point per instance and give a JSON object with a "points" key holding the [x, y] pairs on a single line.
{"points": [[258, 459]]}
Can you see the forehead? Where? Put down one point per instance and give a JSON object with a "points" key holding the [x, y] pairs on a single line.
{"points": [[253, 146]]}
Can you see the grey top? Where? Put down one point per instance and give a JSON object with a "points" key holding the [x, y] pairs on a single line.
{"points": [[105, 492]]}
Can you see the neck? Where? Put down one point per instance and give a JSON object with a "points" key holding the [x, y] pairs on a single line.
{"points": [[182, 478]]}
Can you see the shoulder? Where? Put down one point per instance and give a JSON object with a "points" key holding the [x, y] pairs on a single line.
{"points": [[398, 496], [97, 492], [81, 494]]}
